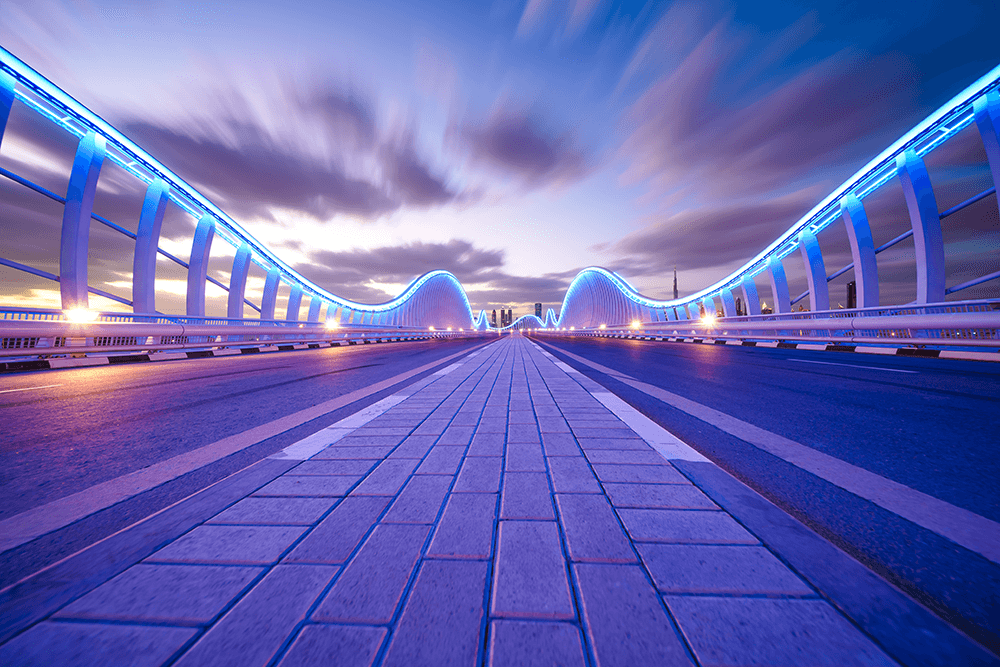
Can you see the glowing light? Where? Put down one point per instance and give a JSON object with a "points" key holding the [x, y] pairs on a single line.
{"points": [[635, 324], [603, 326], [430, 328], [449, 328], [708, 320], [572, 328], [81, 315], [330, 324]]}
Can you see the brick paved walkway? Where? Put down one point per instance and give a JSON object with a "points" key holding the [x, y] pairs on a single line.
{"points": [[497, 514]]}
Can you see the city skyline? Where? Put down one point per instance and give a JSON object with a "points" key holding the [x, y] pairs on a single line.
{"points": [[395, 155]]}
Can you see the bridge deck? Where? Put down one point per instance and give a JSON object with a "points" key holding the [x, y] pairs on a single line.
{"points": [[496, 513]]}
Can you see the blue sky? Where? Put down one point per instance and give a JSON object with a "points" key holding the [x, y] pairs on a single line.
{"points": [[510, 142]]}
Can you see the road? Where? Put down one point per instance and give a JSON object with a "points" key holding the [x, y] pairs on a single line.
{"points": [[928, 424], [62, 432]]}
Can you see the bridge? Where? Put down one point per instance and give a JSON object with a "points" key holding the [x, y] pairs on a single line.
{"points": [[700, 480]]}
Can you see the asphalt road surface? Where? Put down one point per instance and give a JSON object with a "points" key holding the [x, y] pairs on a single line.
{"points": [[64, 431], [932, 425]]}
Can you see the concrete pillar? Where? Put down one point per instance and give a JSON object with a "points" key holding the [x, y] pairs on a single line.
{"points": [[197, 276], [859, 233], [315, 303], [75, 238], [147, 241], [812, 256], [238, 282], [294, 303], [270, 294], [779, 286], [728, 303], [750, 296], [926, 223]]}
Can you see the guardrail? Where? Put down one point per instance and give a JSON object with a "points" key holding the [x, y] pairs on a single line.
{"points": [[959, 323], [36, 333]]}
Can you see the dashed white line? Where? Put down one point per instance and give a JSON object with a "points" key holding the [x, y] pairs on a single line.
{"points": [[44, 386], [834, 363]]}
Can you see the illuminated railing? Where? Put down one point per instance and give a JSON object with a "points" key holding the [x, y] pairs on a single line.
{"points": [[434, 299]]}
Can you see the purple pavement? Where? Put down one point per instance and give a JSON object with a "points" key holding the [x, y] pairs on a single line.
{"points": [[499, 515]]}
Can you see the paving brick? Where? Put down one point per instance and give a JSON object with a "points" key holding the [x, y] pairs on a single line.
{"points": [[371, 430], [548, 409], [457, 435], [177, 594], [334, 467], [702, 569], [571, 474], [387, 479], [628, 456], [369, 589], [335, 452], [487, 444], [275, 511], [414, 447], [624, 618], [360, 439], [525, 457], [493, 424], [754, 631], [592, 531], [464, 418], [311, 486], [479, 474], [93, 644], [336, 536], [589, 444], [684, 527], [432, 426], [420, 501], [442, 460], [440, 624], [663, 473], [236, 545], [534, 644], [522, 433], [340, 645], [552, 425], [466, 527], [560, 444], [521, 416], [529, 577], [526, 495], [662, 496], [257, 626]]}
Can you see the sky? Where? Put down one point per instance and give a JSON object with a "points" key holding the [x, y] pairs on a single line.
{"points": [[512, 143]]}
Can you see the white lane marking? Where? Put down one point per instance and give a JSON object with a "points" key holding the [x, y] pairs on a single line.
{"points": [[317, 442], [44, 386], [448, 369], [659, 438], [965, 528], [834, 363], [566, 368], [26, 526]]}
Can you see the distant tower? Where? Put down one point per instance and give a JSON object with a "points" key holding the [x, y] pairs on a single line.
{"points": [[510, 317], [676, 295], [538, 310], [494, 318]]}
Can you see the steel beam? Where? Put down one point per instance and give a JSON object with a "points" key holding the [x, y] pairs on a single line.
{"points": [[926, 223], [238, 282], [75, 238], [147, 241], [812, 256]]}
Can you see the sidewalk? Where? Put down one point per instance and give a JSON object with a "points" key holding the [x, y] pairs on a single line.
{"points": [[498, 512]]}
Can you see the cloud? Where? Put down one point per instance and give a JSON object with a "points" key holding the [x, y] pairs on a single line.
{"points": [[514, 144]]}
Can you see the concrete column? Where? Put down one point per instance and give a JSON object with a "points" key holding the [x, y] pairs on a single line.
{"points": [[147, 241], [671, 314], [345, 315], [315, 303], [6, 100], [709, 304], [812, 256], [294, 303], [198, 265], [238, 282], [926, 223], [728, 303], [779, 286], [75, 239], [859, 232], [270, 294], [750, 296], [987, 110]]}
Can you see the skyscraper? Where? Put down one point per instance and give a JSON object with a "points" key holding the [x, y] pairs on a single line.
{"points": [[675, 282], [538, 310], [510, 317], [494, 321]]}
